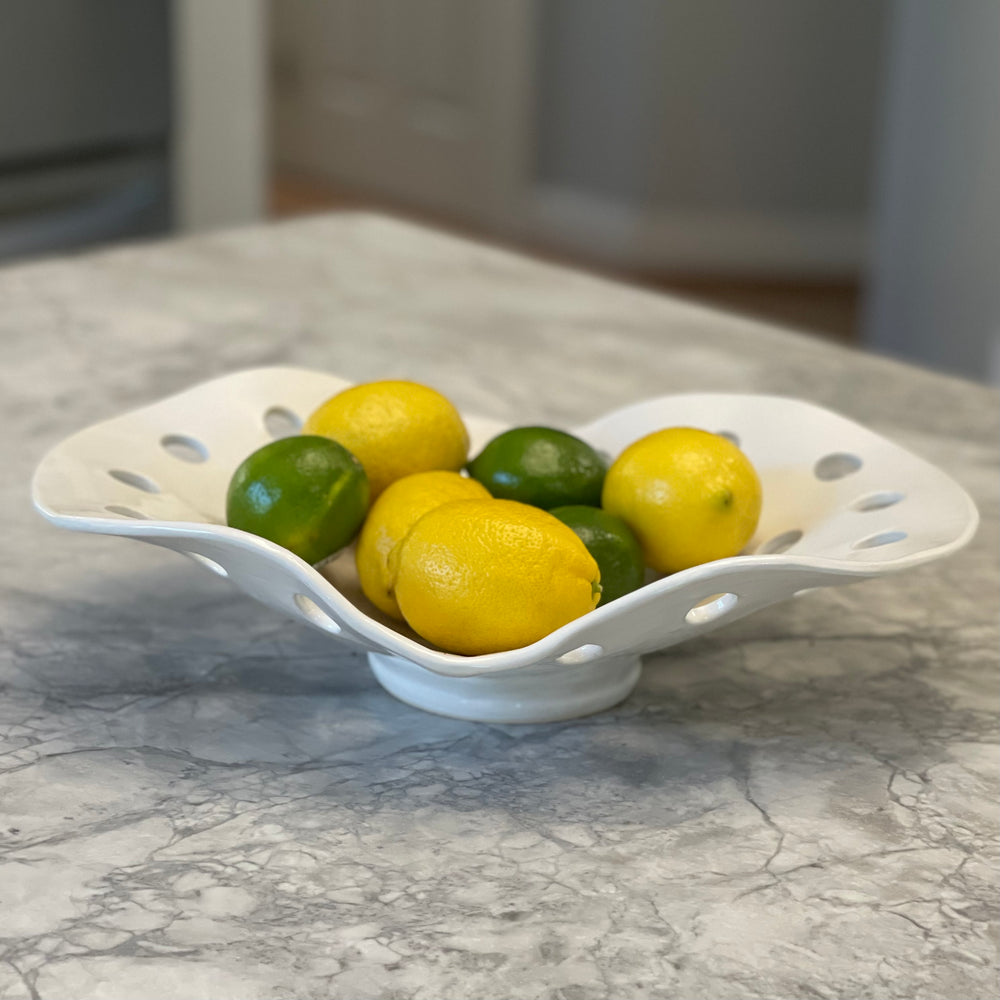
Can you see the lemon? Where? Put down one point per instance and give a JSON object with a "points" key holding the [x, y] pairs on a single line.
{"points": [[541, 466], [307, 493], [481, 576], [395, 429], [396, 511], [611, 542], [689, 496]]}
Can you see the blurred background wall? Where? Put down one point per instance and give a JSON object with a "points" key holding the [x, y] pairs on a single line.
{"points": [[934, 268], [828, 164], [720, 135]]}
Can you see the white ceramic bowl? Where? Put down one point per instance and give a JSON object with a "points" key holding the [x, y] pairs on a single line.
{"points": [[840, 504]]}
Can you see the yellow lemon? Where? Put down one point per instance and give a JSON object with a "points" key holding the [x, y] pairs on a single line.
{"points": [[480, 576], [394, 429], [396, 511], [689, 496]]}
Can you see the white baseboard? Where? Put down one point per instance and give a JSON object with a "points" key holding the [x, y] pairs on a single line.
{"points": [[620, 234]]}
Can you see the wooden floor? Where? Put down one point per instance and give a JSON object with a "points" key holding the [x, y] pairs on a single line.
{"points": [[826, 308]]}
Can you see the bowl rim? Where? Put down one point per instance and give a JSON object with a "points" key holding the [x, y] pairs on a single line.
{"points": [[315, 584]]}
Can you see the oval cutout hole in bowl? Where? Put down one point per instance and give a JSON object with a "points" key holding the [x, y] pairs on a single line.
{"points": [[877, 501], [711, 609], [730, 437], [280, 422], [780, 543], [882, 538], [836, 466], [115, 508], [187, 449], [135, 480], [582, 654], [209, 564], [311, 610]]}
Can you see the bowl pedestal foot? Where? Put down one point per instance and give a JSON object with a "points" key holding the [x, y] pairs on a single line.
{"points": [[544, 692]]}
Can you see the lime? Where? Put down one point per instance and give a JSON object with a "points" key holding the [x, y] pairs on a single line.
{"points": [[540, 466], [307, 493], [611, 542]]}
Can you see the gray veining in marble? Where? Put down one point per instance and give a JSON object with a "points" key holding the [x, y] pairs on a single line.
{"points": [[201, 800]]}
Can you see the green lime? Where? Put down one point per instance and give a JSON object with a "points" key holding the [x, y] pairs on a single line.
{"points": [[307, 493], [611, 542], [540, 466]]}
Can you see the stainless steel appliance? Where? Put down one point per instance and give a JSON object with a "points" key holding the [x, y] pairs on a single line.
{"points": [[84, 123]]}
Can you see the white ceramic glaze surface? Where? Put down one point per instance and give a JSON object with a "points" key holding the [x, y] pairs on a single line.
{"points": [[840, 504]]}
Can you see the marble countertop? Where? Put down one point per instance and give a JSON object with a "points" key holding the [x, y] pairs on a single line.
{"points": [[199, 799]]}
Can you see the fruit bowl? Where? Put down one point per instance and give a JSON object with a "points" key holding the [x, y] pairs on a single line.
{"points": [[841, 504]]}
